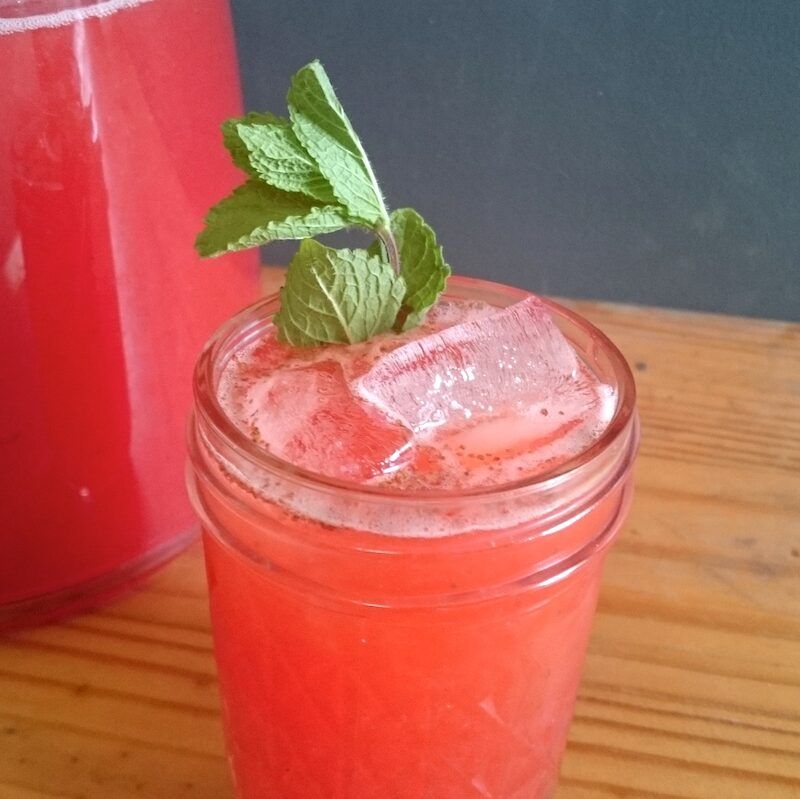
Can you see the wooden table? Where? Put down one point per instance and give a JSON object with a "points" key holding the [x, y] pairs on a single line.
{"points": [[692, 684]]}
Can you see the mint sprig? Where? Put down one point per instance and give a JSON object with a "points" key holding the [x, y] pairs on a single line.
{"points": [[309, 175]]}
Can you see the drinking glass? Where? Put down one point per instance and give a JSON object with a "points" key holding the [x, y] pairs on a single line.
{"points": [[377, 643]]}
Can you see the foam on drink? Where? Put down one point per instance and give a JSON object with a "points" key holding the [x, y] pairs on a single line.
{"points": [[64, 17], [475, 397]]}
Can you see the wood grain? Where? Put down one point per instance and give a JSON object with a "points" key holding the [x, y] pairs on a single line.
{"points": [[692, 683]]}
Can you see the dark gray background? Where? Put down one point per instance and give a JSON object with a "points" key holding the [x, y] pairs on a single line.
{"points": [[636, 150]]}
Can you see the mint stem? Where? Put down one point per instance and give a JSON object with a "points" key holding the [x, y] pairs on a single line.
{"points": [[387, 237]]}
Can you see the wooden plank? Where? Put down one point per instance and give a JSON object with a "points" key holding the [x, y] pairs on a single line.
{"points": [[692, 683], [52, 760]]}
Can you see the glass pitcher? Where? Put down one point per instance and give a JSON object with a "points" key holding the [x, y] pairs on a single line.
{"points": [[109, 157]]}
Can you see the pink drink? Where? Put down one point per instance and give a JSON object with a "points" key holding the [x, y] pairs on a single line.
{"points": [[403, 611], [109, 157]]}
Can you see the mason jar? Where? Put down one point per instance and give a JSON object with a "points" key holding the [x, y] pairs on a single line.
{"points": [[375, 643]]}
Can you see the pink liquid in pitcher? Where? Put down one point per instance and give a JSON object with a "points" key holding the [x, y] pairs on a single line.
{"points": [[109, 157]]}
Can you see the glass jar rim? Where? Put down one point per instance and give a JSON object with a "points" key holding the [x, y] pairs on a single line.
{"points": [[209, 411]]}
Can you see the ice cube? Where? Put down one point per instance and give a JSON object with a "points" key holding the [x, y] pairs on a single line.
{"points": [[511, 360], [309, 417]]}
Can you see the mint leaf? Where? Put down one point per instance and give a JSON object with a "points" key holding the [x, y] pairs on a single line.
{"points": [[326, 133], [240, 155], [334, 296], [422, 264], [257, 214], [266, 147]]}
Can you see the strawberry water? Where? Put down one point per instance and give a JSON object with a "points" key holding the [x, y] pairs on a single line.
{"points": [[109, 156], [404, 542]]}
